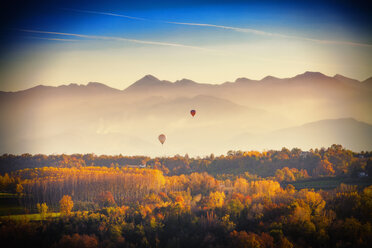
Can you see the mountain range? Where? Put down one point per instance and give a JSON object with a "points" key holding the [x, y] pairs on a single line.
{"points": [[310, 109]]}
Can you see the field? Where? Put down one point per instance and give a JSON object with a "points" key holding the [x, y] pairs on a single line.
{"points": [[327, 183], [9, 204], [29, 217]]}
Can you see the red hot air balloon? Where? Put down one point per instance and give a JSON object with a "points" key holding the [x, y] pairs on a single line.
{"points": [[193, 112], [162, 138]]}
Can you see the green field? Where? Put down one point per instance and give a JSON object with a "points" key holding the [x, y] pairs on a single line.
{"points": [[30, 217], [10, 207], [329, 182], [9, 204]]}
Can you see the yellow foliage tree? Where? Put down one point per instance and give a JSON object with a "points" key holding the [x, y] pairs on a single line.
{"points": [[241, 185], [215, 200], [313, 199], [66, 204], [42, 209], [19, 189]]}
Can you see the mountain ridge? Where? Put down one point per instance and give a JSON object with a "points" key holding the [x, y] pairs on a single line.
{"points": [[350, 132], [151, 81]]}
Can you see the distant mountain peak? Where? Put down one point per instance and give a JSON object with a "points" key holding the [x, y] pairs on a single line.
{"points": [[96, 84], [269, 78], [185, 81], [90, 85], [150, 77], [147, 81], [311, 75], [67, 86], [243, 80], [100, 87], [341, 78]]}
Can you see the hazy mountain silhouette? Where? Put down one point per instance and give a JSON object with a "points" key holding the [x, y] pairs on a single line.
{"points": [[352, 134], [368, 82], [71, 89], [97, 114], [148, 83], [346, 79], [343, 96]]}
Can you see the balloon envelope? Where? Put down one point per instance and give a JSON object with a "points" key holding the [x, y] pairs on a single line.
{"points": [[162, 138], [193, 112]]}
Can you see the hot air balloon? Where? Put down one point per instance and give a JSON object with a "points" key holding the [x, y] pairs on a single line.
{"points": [[192, 112], [162, 138]]}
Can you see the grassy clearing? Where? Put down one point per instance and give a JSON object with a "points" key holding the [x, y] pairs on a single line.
{"points": [[8, 195], [30, 217], [11, 209], [10, 204], [329, 182]]}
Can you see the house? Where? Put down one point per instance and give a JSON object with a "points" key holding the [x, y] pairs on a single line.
{"points": [[304, 154], [362, 174], [136, 166]]}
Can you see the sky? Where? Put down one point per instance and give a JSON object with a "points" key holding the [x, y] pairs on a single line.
{"points": [[118, 42]]}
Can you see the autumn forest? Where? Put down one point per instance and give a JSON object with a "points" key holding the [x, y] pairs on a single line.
{"points": [[286, 198]]}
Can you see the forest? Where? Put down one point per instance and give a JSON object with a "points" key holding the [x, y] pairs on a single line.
{"points": [[285, 198]]}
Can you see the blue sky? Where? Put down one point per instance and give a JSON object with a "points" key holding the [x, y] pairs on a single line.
{"points": [[208, 41]]}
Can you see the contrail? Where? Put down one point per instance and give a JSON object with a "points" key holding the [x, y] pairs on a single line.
{"points": [[105, 13], [242, 30], [259, 32], [55, 39], [237, 29], [98, 37]]}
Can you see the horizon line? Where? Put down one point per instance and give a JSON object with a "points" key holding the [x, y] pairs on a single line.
{"points": [[257, 80]]}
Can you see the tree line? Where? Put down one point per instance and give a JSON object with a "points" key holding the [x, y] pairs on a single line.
{"points": [[331, 161]]}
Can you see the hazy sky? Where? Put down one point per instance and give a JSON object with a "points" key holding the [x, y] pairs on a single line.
{"points": [[118, 42]]}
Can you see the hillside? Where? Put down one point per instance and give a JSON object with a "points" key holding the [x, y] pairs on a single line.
{"points": [[352, 134]]}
